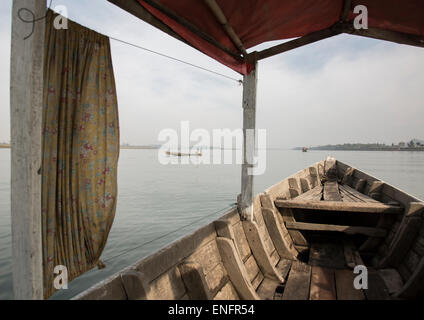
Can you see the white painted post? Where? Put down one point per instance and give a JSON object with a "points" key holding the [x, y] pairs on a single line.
{"points": [[26, 103], [245, 201]]}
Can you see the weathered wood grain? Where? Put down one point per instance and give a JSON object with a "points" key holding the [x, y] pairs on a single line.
{"points": [[377, 289], [367, 231], [283, 267], [358, 196], [249, 124], [339, 206], [298, 283], [331, 191], [194, 280], [228, 292], [344, 286], [26, 110], [323, 285], [330, 169], [328, 255], [236, 269]]}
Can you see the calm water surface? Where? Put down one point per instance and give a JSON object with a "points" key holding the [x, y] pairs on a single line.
{"points": [[156, 199]]}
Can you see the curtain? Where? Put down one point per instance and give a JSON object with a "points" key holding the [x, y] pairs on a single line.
{"points": [[80, 150]]}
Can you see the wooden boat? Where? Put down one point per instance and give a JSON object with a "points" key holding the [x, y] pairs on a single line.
{"points": [[309, 232], [181, 154]]}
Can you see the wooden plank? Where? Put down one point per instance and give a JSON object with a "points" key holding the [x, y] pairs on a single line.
{"points": [[360, 185], [279, 234], [294, 185], [314, 178], [257, 246], [251, 268], [358, 195], [227, 293], [26, 110], [304, 185], [241, 241], [330, 169], [296, 235], [331, 191], [193, 279], [236, 269], [314, 194], [216, 279], [405, 235], [347, 197], [328, 255], [339, 206], [376, 189], [413, 286], [387, 35], [367, 231], [266, 290], [275, 257], [372, 244], [352, 256], [249, 123], [299, 42], [323, 285], [169, 286], [377, 289], [207, 256], [344, 286], [257, 281], [283, 267], [348, 176], [298, 283], [392, 280]]}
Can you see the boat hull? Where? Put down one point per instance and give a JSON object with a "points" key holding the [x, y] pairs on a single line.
{"points": [[310, 231]]}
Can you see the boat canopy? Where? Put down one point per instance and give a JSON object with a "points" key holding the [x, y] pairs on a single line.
{"points": [[225, 29]]}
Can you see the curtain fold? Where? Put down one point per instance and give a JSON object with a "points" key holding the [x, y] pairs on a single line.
{"points": [[80, 149]]}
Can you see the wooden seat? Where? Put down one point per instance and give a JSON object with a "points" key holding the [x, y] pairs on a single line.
{"points": [[339, 206], [240, 261]]}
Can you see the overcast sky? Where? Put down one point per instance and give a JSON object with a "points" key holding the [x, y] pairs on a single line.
{"points": [[343, 89]]}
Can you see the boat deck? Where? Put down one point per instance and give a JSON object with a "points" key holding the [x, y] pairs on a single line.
{"points": [[308, 235], [325, 277]]}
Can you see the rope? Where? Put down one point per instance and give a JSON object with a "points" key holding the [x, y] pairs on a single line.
{"points": [[167, 234], [176, 59], [34, 19]]}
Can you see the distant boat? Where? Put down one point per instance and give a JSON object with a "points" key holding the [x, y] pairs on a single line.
{"points": [[304, 149], [181, 154]]}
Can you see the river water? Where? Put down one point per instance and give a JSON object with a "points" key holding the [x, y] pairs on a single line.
{"points": [[155, 199]]}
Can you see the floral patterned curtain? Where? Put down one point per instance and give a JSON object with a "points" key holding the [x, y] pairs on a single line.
{"points": [[80, 150]]}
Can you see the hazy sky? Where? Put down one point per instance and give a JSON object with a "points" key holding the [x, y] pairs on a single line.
{"points": [[344, 89]]}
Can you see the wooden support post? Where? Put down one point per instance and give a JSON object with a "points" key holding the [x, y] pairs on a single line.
{"points": [[245, 203], [26, 100]]}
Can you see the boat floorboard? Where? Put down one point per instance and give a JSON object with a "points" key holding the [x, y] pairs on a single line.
{"points": [[326, 277]]}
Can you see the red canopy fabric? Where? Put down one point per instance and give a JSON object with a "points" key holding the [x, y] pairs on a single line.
{"points": [[259, 21]]}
